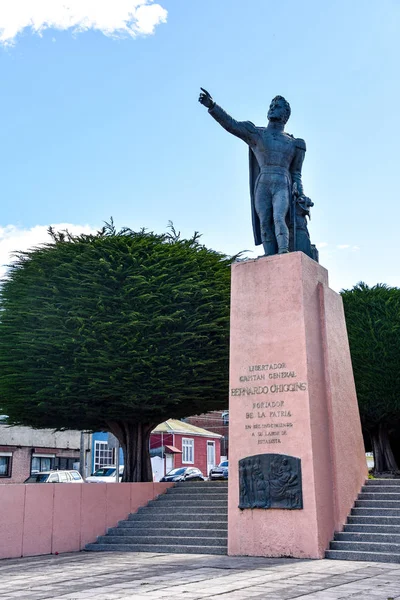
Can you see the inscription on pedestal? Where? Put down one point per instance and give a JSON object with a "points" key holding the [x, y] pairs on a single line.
{"points": [[267, 417], [270, 481]]}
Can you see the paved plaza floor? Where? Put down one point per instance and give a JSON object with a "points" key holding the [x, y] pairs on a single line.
{"points": [[146, 576]]}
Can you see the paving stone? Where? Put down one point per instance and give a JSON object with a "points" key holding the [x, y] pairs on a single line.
{"points": [[147, 576]]}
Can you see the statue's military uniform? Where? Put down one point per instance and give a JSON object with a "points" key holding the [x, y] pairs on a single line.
{"points": [[275, 165]]}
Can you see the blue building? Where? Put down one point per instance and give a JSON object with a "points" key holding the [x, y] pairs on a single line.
{"points": [[103, 450]]}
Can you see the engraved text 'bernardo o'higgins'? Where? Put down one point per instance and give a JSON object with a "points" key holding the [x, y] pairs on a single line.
{"points": [[275, 371], [268, 420]]}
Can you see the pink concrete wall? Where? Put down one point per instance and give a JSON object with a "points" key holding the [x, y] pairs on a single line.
{"points": [[12, 504], [48, 518], [310, 276], [276, 318], [37, 533], [67, 515], [118, 503], [349, 463], [93, 511]]}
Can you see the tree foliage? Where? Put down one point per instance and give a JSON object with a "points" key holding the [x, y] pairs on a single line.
{"points": [[116, 332], [373, 324]]}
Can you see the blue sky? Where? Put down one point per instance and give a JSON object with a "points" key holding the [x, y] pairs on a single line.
{"points": [[105, 121]]}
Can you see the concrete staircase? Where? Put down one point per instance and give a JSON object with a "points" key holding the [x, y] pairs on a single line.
{"points": [[372, 531], [191, 517]]}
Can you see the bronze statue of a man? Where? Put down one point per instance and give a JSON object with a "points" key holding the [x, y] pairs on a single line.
{"points": [[276, 158]]}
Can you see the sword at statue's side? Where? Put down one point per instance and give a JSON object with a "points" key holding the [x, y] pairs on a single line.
{"points": [[294, 202]]}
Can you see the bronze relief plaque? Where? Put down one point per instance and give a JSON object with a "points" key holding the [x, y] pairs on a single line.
{"points": [[270, 481]]}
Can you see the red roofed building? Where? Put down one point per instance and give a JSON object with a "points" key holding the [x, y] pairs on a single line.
{"points": [[177, 443], [216, 421]]}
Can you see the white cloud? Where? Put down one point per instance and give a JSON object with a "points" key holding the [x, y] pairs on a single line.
{"points": [[320, 245], [114, 18], [13, 238], [347, 246]]}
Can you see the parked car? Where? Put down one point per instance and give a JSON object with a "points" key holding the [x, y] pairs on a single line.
{"points": [[184, 474], [55, 477], [105, 475], [220, 472]]}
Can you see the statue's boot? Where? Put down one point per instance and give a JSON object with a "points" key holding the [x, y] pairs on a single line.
{"points": [[283, 243], [269, 247]]}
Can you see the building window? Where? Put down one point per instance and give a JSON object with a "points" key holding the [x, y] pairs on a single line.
{"points": [[5, 464], [225, 417], [65, 463], [103, 455], [187, 450], [42, 462]]}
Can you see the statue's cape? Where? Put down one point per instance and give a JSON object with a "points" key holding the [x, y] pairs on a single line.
{"points": [[254, 171]]}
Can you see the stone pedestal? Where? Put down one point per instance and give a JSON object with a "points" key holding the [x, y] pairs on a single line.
{"points": [[291, 393]]}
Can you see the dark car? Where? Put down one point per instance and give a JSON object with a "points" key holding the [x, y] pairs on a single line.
{"points": [[184, 474], [220, 472]]}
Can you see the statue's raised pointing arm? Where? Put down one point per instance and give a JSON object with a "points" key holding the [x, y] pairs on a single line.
{"points": [[276, 159], [245, 130]]}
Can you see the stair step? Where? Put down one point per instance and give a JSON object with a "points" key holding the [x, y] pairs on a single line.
{"points": [[371, 528], [347, 536], [168, 525], [207, 483], [378, 504], [366, 547], [216, 496], [170, 540], [156, 548], [375, 512], [383, 481], [380, 489], [183, 510], [379, 495], [191, 491], [369, 556], [212, 503], [195, 494], [160, 532], [373, 519], [172, 517]]}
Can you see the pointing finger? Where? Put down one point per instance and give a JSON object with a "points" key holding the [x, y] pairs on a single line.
{"points": [[205, 91]]}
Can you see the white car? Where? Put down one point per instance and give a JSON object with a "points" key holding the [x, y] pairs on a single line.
{"points": [[105, 475], [55, 477]]}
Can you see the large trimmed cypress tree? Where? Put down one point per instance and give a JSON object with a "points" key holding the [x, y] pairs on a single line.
{"points": [[373, 325], [115, 332]]}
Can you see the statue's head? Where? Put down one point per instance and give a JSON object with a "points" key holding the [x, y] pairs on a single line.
{"points": [[279, 110]]}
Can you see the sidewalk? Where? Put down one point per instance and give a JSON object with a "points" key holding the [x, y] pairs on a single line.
{"points": [[146, 576]]}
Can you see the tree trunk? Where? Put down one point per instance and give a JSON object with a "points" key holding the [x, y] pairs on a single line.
{"points": [[134, 439], [384, 459]]}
